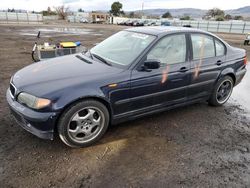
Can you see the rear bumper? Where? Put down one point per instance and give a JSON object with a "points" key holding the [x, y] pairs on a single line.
{"points": [[40, 124], [239, 75]]}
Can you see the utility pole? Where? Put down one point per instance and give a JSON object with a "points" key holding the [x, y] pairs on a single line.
{"points": [[142, 7]]}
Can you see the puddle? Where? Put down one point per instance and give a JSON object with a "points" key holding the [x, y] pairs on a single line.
{"points": [[59, 31]]}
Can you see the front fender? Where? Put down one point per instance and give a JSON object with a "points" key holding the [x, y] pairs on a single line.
{"points": [[76, 94]]}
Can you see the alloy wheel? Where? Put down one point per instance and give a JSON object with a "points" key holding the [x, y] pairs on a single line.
{"points": [[86, 124], [224, 91]]}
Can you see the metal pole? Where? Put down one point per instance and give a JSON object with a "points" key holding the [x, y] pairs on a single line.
{"points": [[27, 17], [243, 31], [142, 7], [198, 25], [17, 18], [207, 25], [7, 19], [230, 27], [218, 26]]}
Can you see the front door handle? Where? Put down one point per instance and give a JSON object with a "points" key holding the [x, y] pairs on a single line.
{"points": [[219, 62], [183, 69]]}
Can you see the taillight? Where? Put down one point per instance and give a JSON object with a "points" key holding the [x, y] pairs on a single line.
{"points": [[245, 60]]}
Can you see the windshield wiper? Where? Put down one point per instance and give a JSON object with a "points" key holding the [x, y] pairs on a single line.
{"points": [[101, 59], [91, 56]]}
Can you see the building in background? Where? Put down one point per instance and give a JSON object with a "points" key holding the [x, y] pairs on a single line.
{"points": [[99, 17], [90, 17]]}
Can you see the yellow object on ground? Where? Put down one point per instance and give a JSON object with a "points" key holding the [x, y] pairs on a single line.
{"points": [[68, 44]]}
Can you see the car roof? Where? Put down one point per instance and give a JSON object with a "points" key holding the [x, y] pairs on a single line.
{"points": [[159, 30]]}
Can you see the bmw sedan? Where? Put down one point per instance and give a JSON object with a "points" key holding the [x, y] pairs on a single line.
{"points": [[135, 72]]}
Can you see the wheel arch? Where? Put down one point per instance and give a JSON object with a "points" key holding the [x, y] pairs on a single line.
{"points": [[99, 99], [232, 76], [228, 72]]}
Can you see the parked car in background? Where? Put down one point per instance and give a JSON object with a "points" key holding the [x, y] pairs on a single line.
{"points": [[165, 23], [247, 39], [138, 23], [135, 72], [145, 22], [187, 25], [151, 23], [129, 23], [121, 23], [84, 20]]}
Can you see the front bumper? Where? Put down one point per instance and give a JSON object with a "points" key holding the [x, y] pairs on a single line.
{"points": [[41, 124]]}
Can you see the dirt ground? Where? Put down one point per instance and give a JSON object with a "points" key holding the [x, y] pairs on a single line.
{"points": [[193, 146]]}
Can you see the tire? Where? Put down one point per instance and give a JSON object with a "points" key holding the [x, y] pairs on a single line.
{"points": [[83, 123], [216, 98]]}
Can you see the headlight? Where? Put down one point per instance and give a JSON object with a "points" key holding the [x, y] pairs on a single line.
{"points": [[32, 101]]}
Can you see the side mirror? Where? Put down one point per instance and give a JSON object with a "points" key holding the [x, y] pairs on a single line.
{"points": [[152, 64]]}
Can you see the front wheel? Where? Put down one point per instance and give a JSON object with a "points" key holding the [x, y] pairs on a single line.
{"points": [[83, 123], [222, 91]]}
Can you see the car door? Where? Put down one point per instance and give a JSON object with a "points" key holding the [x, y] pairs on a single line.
{"points": [[166, 85], [208, 56]]}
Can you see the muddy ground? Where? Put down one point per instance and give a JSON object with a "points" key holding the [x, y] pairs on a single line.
{"points": [[194, 146]]}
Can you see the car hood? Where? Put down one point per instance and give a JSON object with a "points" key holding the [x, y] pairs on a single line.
{"points": [[66, 70]]}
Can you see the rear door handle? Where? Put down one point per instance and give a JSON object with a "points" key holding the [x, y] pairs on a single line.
{"points": [[219, 62], [183, 69]]}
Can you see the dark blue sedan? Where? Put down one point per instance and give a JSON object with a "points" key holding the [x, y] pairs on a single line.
{"points": [[136, 72]]}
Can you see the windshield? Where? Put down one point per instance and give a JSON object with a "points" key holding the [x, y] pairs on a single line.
{"points": [[123, 47]]}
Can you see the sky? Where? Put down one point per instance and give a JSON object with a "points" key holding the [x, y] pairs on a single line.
{"points": [[128, 5]]}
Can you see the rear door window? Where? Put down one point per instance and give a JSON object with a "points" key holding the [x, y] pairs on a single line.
{"points": [[203, 46], [220, 48]]}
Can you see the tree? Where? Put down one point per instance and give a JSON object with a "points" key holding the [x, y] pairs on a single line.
{"points": [[238, 18], [80, 10], [62, 11], [49, 10], [228, 17], [11, 10], [220, 18], [132, 14], [185, 18], [167, 15], [215, 12], [116, 9]]}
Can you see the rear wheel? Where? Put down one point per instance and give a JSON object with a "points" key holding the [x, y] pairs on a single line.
{"points": [[83, 124], [222, 91]]}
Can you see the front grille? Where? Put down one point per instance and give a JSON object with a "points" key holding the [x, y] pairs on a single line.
{"points": [[12, 90]]}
